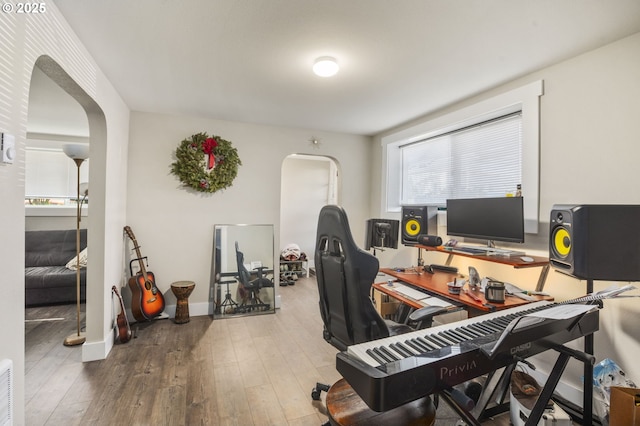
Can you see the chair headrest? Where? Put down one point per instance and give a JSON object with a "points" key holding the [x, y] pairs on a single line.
{"points": [[333, 225]]}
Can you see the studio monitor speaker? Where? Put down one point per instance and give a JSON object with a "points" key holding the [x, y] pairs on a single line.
{"points": [[596, 242], [418, 220]]}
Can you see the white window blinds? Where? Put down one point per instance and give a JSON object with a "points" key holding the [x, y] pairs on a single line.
{"points": [[483, 160], [51, 174]]}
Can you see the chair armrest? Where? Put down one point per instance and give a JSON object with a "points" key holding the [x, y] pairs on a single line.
{"points": [[427, 313]]}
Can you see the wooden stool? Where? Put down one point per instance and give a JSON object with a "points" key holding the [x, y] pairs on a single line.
{"points": [[182, 290], [346, 408]]}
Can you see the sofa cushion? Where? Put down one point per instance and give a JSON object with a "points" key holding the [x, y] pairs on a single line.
{"points": [[73, 263], [52, 248], [52, 276]]}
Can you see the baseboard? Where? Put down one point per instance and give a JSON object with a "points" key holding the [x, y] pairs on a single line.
{"points": [[95, 351]]}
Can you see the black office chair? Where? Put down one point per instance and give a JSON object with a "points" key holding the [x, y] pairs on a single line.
{"points": [[345, 274], [250, 289]]}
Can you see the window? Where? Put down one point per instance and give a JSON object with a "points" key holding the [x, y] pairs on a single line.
{"points": [[483, 160], [51, 178], [472, 152]]}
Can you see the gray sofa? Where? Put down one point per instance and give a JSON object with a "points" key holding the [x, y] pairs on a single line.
{"points": [[47, 280]]}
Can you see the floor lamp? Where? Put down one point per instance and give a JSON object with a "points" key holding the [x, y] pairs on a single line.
{"points": [[78, 153]]}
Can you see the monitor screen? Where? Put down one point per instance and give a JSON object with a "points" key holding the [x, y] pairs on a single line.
{"points": [[493, 219], [382, 233]]}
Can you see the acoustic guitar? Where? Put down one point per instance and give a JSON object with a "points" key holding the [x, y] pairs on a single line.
{"points": [[124, 329], [147, 301]]}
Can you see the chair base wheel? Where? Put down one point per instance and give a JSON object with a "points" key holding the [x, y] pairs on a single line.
{"points": [[317, 391]]}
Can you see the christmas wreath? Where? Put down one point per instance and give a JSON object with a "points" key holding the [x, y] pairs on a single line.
{"points": [[206, 164]]}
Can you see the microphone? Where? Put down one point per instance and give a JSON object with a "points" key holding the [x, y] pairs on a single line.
{"points": [[429, 240], [381, 227]]}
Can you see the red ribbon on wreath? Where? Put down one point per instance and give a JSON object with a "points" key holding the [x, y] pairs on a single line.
{"points": [[208, 146]]}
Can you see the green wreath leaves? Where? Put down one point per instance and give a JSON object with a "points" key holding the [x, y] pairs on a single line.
{"points": [[206, 164]]}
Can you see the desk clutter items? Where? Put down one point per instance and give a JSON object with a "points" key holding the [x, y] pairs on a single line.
{"points": [[474, 278], [444, 268], [455, 287], [494, 291]]}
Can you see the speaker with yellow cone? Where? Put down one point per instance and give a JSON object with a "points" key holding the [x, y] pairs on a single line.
{"points": [[416, 220], [562, 242], [413, 227], [596, 242]]}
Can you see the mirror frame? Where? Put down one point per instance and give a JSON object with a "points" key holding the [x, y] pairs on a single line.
{"points": [[225, 288]]}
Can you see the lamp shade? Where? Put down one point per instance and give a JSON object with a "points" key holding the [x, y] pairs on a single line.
{"points": [[76, 151]]}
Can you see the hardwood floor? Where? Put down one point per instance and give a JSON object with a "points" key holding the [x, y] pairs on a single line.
{"points": [[253, 370]]}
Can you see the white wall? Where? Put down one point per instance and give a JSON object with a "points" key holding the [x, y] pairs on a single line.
{"points": [[175, 226], [25, 40], [305, 190], [589, 148]]}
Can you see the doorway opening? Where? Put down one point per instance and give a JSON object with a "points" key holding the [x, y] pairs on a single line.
{"points": [[308, 182], [61, 112]]}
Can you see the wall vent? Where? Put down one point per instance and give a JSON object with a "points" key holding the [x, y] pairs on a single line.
{"points": [[6, 392]]}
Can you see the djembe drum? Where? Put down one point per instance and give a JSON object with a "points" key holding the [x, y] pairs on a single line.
{"points": [[182, 290]]}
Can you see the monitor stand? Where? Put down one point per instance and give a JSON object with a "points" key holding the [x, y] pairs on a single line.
{"points": [[492, 250]]}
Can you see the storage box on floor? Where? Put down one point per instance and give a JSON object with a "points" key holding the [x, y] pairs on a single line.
{"points": [[385, 305], [555, 416], [625, 407]]}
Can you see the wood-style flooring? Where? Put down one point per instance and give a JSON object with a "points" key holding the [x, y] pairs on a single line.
{"points": [[251, 370]]}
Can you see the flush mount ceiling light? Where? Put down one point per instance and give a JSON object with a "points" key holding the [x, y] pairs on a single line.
{"points": [[325, 66]]}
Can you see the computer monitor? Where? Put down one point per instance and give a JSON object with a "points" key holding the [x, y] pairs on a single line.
{"points": [[492, 219], [382, 233]]}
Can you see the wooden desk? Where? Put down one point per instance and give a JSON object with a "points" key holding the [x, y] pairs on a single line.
{"points": [[436, 284]]}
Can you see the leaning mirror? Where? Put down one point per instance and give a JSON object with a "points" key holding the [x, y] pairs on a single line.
{"points": [[242, 275]]}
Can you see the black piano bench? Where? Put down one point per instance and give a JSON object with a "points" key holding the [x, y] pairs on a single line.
{"points": [[346, 408]]}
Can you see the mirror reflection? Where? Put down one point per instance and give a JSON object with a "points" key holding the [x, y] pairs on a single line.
{"points": [[242, 270]]}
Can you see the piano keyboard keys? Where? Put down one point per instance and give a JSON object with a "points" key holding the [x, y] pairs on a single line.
{"points": [[395, 348]]}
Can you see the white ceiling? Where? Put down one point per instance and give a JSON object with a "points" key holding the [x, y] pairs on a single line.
{"points": [[250, 60]]}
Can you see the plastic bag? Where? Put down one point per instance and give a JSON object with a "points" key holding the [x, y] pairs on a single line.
{"points": [[605, 375]]}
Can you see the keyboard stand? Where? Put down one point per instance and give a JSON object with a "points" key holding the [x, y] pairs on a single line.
{"points": [[495, 388], [542, 401], [554, 378], [500, 348]]}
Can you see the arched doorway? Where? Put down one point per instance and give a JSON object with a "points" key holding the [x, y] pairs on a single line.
{"points": [[308, 182], [97, 137]]}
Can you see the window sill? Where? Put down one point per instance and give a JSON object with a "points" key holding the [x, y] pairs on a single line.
{"points": [[54, 211]]}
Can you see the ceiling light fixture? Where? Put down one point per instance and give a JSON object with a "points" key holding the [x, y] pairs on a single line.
{"points": [[325, 66]]}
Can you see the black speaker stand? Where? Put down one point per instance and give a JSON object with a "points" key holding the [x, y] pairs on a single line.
{"points": [[420, 259], [587, 395]]}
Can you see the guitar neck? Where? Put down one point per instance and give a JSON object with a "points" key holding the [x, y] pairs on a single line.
{"points": [[115, 291], [136, 247], [143, 270]]}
